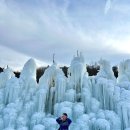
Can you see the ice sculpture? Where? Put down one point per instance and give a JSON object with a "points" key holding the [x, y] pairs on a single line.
{"points": [[92, 102]]}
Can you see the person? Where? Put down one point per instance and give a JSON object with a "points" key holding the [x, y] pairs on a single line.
{"points": [[64, 122]]}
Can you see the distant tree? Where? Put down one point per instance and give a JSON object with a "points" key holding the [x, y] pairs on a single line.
{"points": [[17, 74], [1, 69], [92, 70], [115, 71], [40, 71], [65, 70]]}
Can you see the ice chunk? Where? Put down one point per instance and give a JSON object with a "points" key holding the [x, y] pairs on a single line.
{"points": [[40, 100], [60, 85], [36, 119], [105, 70], [5, 76], [9, 117], [83, 122], [2, 95], [114, 120], [39, 127], [101, 124], [49, 123], [70, 95], [124, 71], [9, 128], [1, 124], [23, 128], [95, 105], [29, 70], [78, 110], [12, 90], [64, 107]]}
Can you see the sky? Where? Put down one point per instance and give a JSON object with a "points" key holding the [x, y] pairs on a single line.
{"points": [[39, 28]]}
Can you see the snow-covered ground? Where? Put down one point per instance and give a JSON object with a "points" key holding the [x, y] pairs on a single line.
{"points": [[93, 103]]}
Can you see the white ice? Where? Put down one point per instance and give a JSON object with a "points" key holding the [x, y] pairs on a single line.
{"points": [[92, 102]]}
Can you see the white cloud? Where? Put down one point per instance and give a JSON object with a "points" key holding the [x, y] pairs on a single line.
{"points": [[108, 6], [44, 28], [14, 59]]}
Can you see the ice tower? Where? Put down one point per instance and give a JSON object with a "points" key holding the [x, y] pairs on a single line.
{"points": [[76, 71]]}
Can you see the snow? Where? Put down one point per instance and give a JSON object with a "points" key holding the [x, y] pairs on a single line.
{"points": [[91, 102]]}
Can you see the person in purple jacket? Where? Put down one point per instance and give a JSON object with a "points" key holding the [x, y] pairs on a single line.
{"points": [[64, 122]]}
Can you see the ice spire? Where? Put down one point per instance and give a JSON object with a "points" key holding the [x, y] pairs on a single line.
{"points": [[53, 58], [77, 71]]}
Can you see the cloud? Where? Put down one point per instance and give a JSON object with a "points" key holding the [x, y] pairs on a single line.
{"points": [[108, 6], [41, 28], [14, 59]]}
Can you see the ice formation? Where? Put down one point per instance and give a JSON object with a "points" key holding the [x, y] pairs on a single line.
{"points": [[92, 102], [105, 70], [77, 70]]}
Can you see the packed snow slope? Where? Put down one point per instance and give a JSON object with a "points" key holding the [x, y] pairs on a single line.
{"points": [[93, 103]]}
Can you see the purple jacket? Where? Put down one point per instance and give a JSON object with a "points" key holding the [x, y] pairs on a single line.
{"points": [[64, 125]]}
